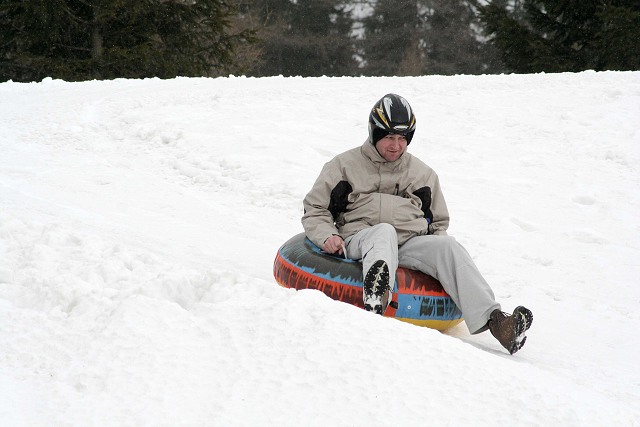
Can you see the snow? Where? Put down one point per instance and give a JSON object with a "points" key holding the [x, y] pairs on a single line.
{"points": [[140, 219]]}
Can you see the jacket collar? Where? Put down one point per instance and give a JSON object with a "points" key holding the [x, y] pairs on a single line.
{"points": [[370, 152]]}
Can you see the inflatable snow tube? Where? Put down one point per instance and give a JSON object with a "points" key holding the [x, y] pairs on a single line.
{"points": [[417, 297]]}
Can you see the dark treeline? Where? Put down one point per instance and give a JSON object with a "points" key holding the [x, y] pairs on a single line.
{"points": [[375, 38], [85, 39], [565, 35], [104, 39]]}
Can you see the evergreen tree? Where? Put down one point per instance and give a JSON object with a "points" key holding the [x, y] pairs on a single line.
{"points": [[454, 43], [618, 41], [414, 37], [84, 39], [565, 35], [303, 37], [393, 39]]}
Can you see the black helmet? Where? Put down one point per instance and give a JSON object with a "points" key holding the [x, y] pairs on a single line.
{"points": [[391, 114]]}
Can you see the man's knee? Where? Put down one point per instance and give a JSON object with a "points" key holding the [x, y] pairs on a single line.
{"points": [[433, 244], [447, 241], [447, 244], [386, 231], [384, 227]]}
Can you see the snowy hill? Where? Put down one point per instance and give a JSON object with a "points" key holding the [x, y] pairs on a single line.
{"points": [[139, 221]]}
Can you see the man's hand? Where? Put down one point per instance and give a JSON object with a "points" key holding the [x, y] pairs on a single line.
{"points": [[333, 244]]}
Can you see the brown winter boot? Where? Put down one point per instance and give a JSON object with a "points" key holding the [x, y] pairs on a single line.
{"points": [[509, 329]]}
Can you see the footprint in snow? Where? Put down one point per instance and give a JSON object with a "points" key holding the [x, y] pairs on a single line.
{"points": [[584, 200], [587, 236], [525, 226]]}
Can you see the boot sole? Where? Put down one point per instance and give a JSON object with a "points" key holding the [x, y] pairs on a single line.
{"points": [[379, 306], [375, 299], [523, 323]]}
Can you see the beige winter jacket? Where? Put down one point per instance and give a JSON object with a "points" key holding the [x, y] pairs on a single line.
{"points": [[359, 188]]}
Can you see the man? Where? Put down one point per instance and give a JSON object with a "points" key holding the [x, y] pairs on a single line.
{"points": [[385, 207]]}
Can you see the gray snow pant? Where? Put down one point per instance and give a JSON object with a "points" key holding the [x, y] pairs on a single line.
{"points": [[441, 257]]}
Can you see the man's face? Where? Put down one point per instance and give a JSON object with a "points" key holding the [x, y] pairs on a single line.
{"points": [[391, 147]]}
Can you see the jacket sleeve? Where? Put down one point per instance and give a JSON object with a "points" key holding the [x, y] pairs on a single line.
{"points": [[319, 206], [439, 210]]}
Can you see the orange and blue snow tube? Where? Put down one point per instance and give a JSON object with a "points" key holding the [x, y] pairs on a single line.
{"points": [[417, 297]]}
